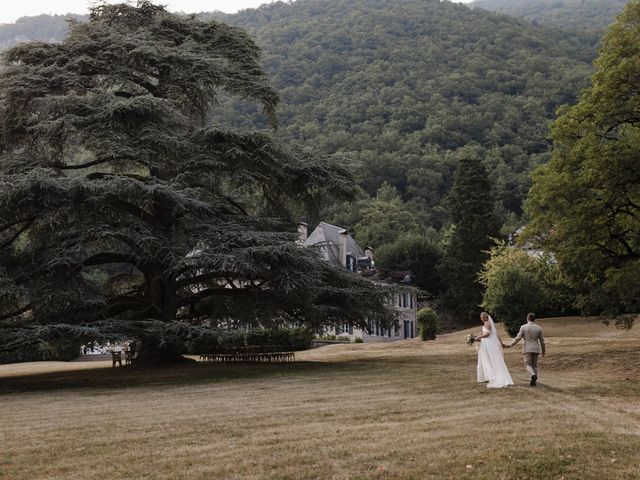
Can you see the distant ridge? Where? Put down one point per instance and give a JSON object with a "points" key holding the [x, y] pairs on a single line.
{"points": [[46, 28], [587, 16]]}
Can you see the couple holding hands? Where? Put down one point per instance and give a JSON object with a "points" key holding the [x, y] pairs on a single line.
{"points": [[491, 366]]}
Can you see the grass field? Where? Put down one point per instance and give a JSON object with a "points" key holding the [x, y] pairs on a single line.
{"points": [[405, 410]]}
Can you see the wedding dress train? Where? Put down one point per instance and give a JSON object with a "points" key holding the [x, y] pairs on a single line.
{"points": [[491, 366]]}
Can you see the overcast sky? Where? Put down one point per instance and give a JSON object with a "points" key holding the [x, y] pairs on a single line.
{"points": [[11, 10]]}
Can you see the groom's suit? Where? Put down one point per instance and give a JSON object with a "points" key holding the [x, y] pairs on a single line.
{"points": [[533, 345]]}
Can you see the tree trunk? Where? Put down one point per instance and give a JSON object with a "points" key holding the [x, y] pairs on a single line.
{"points": [[154, 350], [155, 347]]}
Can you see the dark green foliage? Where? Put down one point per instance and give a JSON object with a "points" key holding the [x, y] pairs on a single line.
{"points": [[279, 339], [282, 338], [428, 323], [123, 214], [418, 253], [474, 225], [398, 87], [585, 204], [384, 218], [59, 349]]}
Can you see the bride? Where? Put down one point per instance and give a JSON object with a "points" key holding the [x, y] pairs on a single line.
{"points": [[491, 366]]}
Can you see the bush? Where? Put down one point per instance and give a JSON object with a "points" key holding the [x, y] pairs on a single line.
{"points": [[330, 338], [281, 338], [232, 339], [428, 323], [517, 283], [59, 349], [359, 340], [290, 339], [206, 342]]}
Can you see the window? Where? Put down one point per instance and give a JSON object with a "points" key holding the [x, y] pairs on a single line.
{"points": [[396, 329]]}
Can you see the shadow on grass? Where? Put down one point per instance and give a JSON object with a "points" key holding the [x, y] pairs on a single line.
{"points": [[172, 375]]}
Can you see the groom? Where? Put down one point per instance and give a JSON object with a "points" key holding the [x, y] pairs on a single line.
{"points": [[533, 346]]}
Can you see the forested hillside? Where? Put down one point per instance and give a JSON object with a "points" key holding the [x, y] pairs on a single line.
{"points": [[589, 16], [46, 28], [406, 88]]}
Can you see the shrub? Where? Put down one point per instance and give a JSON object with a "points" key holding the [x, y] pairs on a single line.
{"points": [[359, 340], [206, 342], [428, 323], [517, 283], [278, 338], [232, 339], [300, 338], [59, 349], [330, 338]]}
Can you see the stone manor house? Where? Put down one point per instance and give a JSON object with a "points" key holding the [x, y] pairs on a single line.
{"points": [[341, 250]]}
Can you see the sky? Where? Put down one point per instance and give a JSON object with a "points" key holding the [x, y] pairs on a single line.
{"points": [[10, 11]]}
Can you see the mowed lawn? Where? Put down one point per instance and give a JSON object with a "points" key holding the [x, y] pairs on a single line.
{"points": [[404, 410]]}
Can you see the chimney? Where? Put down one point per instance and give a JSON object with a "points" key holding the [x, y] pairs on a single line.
{"points": [[343, 248], [302, 233]]}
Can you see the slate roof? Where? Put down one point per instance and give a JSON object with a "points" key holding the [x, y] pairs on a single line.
{"points": [[327, 237]]}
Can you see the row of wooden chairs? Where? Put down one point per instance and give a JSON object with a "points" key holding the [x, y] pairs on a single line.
{"points": [[248, 355]]}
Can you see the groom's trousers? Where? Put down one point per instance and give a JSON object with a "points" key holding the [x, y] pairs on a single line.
{"points": [[531, 362]]}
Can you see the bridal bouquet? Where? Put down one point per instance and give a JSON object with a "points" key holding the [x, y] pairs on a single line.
{"points": [[471, 339]]}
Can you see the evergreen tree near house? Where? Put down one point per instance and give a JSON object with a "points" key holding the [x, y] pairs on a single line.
{"points": [[122, 213], [475, 223]]}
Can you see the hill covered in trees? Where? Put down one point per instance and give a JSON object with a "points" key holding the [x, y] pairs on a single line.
{"points": [[46, 28], [404, 89], [590, 16]]}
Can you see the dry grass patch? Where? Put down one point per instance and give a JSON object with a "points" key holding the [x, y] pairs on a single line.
{"points": [[407, 410]]}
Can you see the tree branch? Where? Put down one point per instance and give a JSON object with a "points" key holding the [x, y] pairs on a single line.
{"points": [[99, 161], [17, 234], [20, 311], [110, 257], [222, 292]]}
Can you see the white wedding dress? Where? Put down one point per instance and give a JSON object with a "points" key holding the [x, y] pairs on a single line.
{"points": [[491, 366]]}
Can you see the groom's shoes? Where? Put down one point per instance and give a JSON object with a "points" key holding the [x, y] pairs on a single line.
{"points": [[534, 379]]}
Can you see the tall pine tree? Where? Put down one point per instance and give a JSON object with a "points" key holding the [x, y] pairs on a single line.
{"points": [[475, 223]]}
